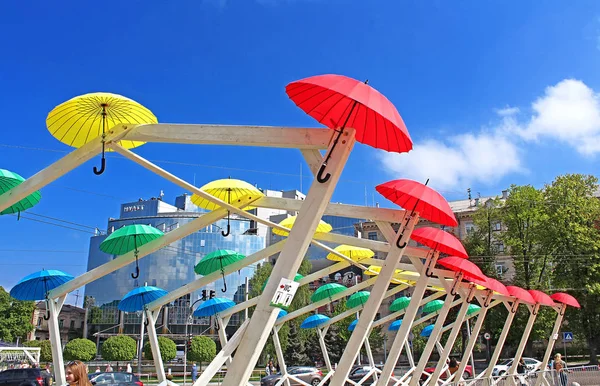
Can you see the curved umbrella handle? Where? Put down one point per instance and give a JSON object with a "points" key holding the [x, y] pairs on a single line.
{"points": [[102, 167], [224, 289], [225, 234], [47, 315], [146, 322], [323, 179], [398, 242], [136, 274]]}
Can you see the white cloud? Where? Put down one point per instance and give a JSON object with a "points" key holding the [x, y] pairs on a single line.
{"points": [[462, 160], [568, 112]]}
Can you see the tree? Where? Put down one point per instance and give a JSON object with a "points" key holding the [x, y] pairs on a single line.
{"points": [[203, 349], [481, 243], [119, 348], [45, 349], [294, 353], [168, 349], [15, 317], [573, 215], [80, 349]]}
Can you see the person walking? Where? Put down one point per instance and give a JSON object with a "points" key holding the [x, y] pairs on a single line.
{"points": [[129, 370], [561, 368], [77, 374], [108, 369], [194, 373]]}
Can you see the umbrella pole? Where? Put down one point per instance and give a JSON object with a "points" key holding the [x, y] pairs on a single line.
{"points": [[407, 220], [103, 160], [225, 234], [223, 274]]}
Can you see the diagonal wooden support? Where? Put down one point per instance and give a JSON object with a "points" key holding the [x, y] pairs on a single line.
{"points": [[371, 308], [153, 338], [512, 311], [533, 312], [287, 264], [560, 309], [54, 332]]}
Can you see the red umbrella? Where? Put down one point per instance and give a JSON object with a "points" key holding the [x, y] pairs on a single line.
{"points": [[542, 298], [338, 102], [520, 293], [439, 240], [458, 264], [421, 198], [564, 298], [492, 284]]}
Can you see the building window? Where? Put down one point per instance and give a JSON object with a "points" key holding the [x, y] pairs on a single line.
{"points": [[372, 235], [61, 323], [497, 226], [39, 322], [469, 227], [72, 325], [500, 247], [500, 269]]}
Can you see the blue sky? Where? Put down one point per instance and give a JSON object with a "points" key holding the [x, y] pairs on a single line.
{"points": [[493, 93]]}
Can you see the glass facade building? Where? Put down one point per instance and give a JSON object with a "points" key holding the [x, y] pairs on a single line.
{"points": [[170, 267]]}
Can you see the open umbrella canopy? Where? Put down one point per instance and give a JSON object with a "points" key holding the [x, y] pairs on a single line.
{"points": [[521, 294], [413, 195], [439, 240], [353, 253], [297, 278], [213, 306], [427, 330], [314, 321], [337, 101], [564, 298], [136, 299], [541, 298], [472, 309], [323, 227], [395, 326], [129, 238], [458, 264], [282, 313], [37, 285], [228, 190], [83, 118], [433, 306], [399, 304], [9, 180], [352, 325], [327, 291], [217, 261], [358, 299], [491, 284]]}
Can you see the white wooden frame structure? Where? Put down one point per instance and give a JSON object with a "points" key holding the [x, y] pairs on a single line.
{"points": [[251, 337]]}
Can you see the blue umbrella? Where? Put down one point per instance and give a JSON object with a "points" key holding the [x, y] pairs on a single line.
{"points": [[352, 325], [37, 285], [314, 321], [136, 299], [213, 306], [281, 314], [426, 332], [395, 326]]}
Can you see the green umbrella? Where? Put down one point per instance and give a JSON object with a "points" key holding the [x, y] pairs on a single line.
{"points": [[327, 291], [399, 304], [473, 308], [216, 261], [357, 299], [130, 238], [297, 278], [9, 180], [433, 306]]}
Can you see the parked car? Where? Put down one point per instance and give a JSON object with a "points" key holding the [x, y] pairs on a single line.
{"points": [[25, 377], [114, 378], [467, 374], [530, 363], [311, 375], [358, 372]]}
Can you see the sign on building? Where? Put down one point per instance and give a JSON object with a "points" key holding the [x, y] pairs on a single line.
{"points": [[285, 293]]}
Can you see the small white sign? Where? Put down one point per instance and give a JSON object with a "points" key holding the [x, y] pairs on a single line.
{"points": [[555, 337], [285, 293], [487, 336]]}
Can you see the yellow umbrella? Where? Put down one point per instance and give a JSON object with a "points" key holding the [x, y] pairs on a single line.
{"points": [[353, 253], [228, 190], [323, 227], [375, 270], [85, 117]]}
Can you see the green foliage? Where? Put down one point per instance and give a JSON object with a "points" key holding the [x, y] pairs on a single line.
{"points": [[375, 337], [168, 349], [481, 243], [80, 349], [119, 348], [203, 349], [294, 353], [15, 317], [45, 349]]}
